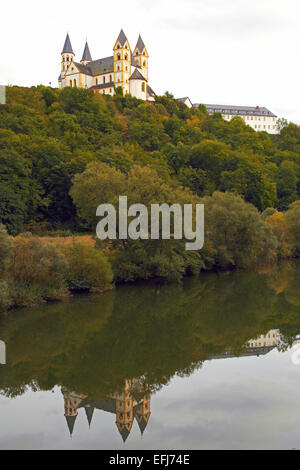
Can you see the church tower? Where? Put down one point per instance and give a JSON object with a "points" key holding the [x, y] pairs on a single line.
{"points": [[86, 56], [124, 411], [143, 413], [122, 62], [72, 401], [67, 56], [141, 57]]}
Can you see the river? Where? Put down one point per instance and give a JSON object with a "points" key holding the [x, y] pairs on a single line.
{"points": [[208, 364]]}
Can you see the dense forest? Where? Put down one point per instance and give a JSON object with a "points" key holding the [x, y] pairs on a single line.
{"points": [[64, 152], [48, 135]]}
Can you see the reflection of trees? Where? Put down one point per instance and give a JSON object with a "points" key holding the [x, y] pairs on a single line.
{"points": [[92, 344]]}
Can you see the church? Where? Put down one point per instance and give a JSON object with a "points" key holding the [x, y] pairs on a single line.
{"points": [[125, 69]]}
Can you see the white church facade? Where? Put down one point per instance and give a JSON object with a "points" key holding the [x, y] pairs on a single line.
{"points": [[125, 69]]}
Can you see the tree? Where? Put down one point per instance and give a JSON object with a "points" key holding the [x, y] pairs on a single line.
{"points": [[239, 235], [293, 221]]}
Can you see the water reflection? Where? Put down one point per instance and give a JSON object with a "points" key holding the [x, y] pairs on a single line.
{"points": [[112, 352], [126, 404]]}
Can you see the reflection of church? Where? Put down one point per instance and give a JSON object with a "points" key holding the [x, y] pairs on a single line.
{"points": [[255, 347], [122, 404]]}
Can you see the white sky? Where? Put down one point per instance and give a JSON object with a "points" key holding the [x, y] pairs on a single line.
{"points": [[238, 52]]}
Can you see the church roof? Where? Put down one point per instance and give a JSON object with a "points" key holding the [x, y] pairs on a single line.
{"points": [[97, 67], [137, 75], [70, 422], [89, 411], [238, 110], [86, 53], [140, 44], [122, 38], [124, 433], [67, 46], [142, 423], [150, 91]]}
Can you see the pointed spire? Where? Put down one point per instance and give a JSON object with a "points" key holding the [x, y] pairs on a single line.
{"points": [[122, 38], [142, 423], [67, 46], [140, 46], [124, 433], [86, 56], [70, 422], [89, 411]]}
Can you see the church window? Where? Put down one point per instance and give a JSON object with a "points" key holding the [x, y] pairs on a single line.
{"points": [[144, 63], [110, 90], [126, 68], [74, 83], [126, 57], [67, 58], [118, 68], [110, 78], [96, 81], [119, 56], [70, 82], [137, 53], [143, 86]]}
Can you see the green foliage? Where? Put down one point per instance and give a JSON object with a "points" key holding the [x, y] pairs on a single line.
{"points": [[36, 272], [89, 269], [293, 221], [239, 235], [5, 260], [47, 136]]}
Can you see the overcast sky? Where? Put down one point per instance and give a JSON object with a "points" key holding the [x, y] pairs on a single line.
{"points": [[214, 51]]}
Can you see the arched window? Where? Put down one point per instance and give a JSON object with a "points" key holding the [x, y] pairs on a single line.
{"points": [[75, 82], [118, 68], [70, 83], [137, 53], [144, 63], [119, 56], [67, 58], [126, 68], [103, 79], [126, 57], [110, 78], [96, 81], [143, 86]]}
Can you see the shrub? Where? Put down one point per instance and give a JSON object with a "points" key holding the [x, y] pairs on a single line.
{"points": [[89, 269], [37, 272]]}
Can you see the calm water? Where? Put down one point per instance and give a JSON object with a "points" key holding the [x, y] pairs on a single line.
{"points": [[204, 365]]}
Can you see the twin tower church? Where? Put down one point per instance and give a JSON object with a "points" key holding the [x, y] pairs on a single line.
{"points": [[125, 69]]}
